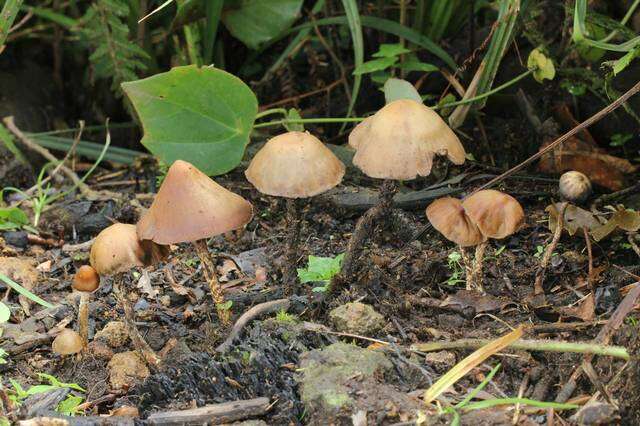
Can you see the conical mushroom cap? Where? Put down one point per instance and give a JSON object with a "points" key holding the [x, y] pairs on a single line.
{"points": [[295, 165], [496, 214], [448, 216], [400, 141], [190, 206], [117, 249], [67, 342]]}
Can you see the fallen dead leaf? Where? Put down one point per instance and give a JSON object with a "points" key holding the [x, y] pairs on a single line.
{"points": [[574, 219], [585, 310], [22, 271], [473, 299], [625, 219], [144, 284]]}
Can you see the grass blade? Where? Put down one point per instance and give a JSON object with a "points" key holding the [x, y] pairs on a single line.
{"points": [[7, 16], [488, 403], [467, 364], [23, 291], [355, 26], [213, 10], [579, 35]]}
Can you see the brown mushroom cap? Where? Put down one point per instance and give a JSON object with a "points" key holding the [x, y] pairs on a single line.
{"points": [[295, 165], [190, 206], [574, 187], [400, 141], [67, 342], [86, 279], [448, 216], [496, 214], [117, 249]]}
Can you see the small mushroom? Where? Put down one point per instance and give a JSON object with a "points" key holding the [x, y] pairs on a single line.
{"points": [[497, 215], [471, 222], [294, 165], [67, 342], [86, 281], [399, 142], [574, 187], [115, 251], [190, 207]]}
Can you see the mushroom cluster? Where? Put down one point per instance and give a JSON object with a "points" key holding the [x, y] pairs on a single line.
{"points": [[473, 221]]}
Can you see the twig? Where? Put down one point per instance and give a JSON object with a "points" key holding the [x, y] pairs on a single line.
{"points": [[9, 122], [587, 239], [579, 128], [223, 413], [70, 248], [538, 285], [251, 314], [528, 345]]}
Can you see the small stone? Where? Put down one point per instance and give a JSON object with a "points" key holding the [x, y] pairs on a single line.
{"points": [[441, 361], [357, 318], [16, 238], [115, 334], [125, 368]]}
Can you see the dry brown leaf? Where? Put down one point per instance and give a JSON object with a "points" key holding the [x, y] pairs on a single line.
{"points": [[478, 301], [585, 310], [627, 220], [22, 271], [574, 219]]}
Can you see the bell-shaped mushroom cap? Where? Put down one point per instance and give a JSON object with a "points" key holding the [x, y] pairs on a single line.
{"points": [[400, 141], [117, 249], [449, 218], [574, 187], [496, 214], [67, 342], [190, 206], [295, 165], [86, 279]]}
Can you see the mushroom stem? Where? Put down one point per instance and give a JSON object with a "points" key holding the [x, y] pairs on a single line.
{"points": [[209, 269], [83, 317], [477, 266], [291, 253], [361, 232], [468, 268], [590, 277], [138, 341], [537, 287]]}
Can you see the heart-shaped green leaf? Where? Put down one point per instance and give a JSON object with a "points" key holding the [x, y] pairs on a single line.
{"points": [[255, 22], [200, 115]]}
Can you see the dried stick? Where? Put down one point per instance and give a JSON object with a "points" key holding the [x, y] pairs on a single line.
{"points": [[251, 314], [9, 122], [538, 287], [590, 281]]}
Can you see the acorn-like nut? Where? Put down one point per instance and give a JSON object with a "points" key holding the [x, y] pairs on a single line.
{"points": [[575, 187]]}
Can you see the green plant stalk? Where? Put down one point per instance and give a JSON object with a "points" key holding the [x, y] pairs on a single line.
{"points": [[580, 32], [310, 120], [481, 405], [478, 388], [623, 22], [23, 291], [355, 26], [529, 345], [213, 10], [7, 16], [271, 111]]}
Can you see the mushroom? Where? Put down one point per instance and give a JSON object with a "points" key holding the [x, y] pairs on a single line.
{"points": [[573, 187], [398, 142], [471, 222], [67, 342], [497, 215], [191, 207], [116, 250], [294, 165], [86, 281]]}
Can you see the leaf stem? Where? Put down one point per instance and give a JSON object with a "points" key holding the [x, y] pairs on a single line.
{"points": [[310, 120], [271, 111]]}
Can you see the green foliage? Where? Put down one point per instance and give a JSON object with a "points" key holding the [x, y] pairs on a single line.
{"points": [[12, 218], [389, 56], [66, 407], [105, 31], [320, 269], [285, 317], [619, 139], [23, 291], [541, 65], [455, 266], [395, 88], [255, 22], [201, 115]]}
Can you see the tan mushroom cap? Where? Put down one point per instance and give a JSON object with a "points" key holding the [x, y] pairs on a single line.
{"points": [[190, 206], [400, 141], [448, 216], [295, 165], [574, 187], [117, 249], [496, 214], [86, 279], [67, 342]]}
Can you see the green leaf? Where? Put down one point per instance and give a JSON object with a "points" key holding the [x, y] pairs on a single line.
{"points": [[255, 22], [320, 268], [395, 88], [390, 50], [375, 65], [200, 115], [412, 63], [69, 407], [224, 306], [622, 63], [541, 65], [12, 218], [293, 114], [23, 291], [53, 381], [5, 313]]}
